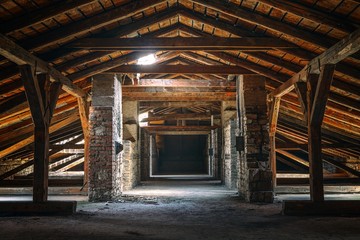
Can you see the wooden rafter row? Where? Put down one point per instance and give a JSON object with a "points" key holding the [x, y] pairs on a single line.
{"points": [[20, 56], [338, 52], [42, 14]]}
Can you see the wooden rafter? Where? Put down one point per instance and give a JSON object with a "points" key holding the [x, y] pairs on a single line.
{"points": [[184, 83], [20, 56], [42, 14], [338, 52], [182, 116], [183, 44], [311, 14], [267, 22], [179, 69], [90, 24], [30, 140]]}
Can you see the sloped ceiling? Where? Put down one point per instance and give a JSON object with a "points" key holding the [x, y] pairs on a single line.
{"points": [[51, 29]]}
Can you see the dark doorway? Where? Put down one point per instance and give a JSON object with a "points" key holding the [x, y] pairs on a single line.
{"points": [[181, 155]]}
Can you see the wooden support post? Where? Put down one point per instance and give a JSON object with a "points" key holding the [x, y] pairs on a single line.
{"points": [[84, 117], [41, 164], [274, 113], [38, 91], [317, 95], [315, 167], [301, 89]]}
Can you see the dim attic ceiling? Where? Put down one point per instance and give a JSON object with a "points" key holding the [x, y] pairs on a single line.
{"points": [[75, 40]]}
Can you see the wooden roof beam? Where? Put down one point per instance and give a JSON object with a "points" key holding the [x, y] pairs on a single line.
{"points": [[183, 44], [179, 69], [176, 104], [183, 83], [338, 52], [178, 128], [20, 56], [180, 96], [176, 89], [183, 116]]}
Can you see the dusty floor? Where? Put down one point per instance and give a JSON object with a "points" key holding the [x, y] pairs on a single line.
{"points": [[178, 210]]}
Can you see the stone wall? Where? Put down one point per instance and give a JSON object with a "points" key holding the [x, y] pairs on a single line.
{"points": [[229, 154], [231, 168], [105, 133], [255, 183], [130, 162]]}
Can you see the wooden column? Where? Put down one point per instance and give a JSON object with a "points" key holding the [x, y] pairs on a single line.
{"points": [[84, 118], [274, 114], [317, 95], [39, 92]]}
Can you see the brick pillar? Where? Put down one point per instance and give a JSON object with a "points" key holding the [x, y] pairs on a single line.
{"points": [[131, 165], [230, 160], [105, 137], [255, 175]]}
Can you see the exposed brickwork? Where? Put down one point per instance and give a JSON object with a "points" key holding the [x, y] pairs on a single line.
{"points": [[130, 170], [131, 158], [231, 168], [255, 175], [105, 129]]}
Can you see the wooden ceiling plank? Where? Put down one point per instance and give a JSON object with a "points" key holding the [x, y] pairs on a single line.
{"points": [[251, 66], [120, 31], [311, 14], [42, 14], [238, 31], [234, 10], [89, 24]]}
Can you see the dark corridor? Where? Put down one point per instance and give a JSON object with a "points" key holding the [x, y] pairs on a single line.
{"points": [[185, 154]]}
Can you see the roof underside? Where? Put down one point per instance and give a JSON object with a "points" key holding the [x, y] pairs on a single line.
{"points": [[51, 29]]}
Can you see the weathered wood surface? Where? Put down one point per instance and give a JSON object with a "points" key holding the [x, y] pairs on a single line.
{"points": [[183, 44]]}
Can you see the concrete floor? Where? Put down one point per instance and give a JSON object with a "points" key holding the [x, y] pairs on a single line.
{"points": [[178, 210]]}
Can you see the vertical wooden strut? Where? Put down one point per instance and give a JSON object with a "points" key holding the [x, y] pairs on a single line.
{"points": [[273, 116], [42, 97], [84, 118], [318, 89]]}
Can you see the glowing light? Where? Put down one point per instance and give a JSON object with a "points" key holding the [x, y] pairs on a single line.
{"points": [[141, 117], [147, 60]]}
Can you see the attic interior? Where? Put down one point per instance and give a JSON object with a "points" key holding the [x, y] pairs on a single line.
{"points": [[99, 97]]}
